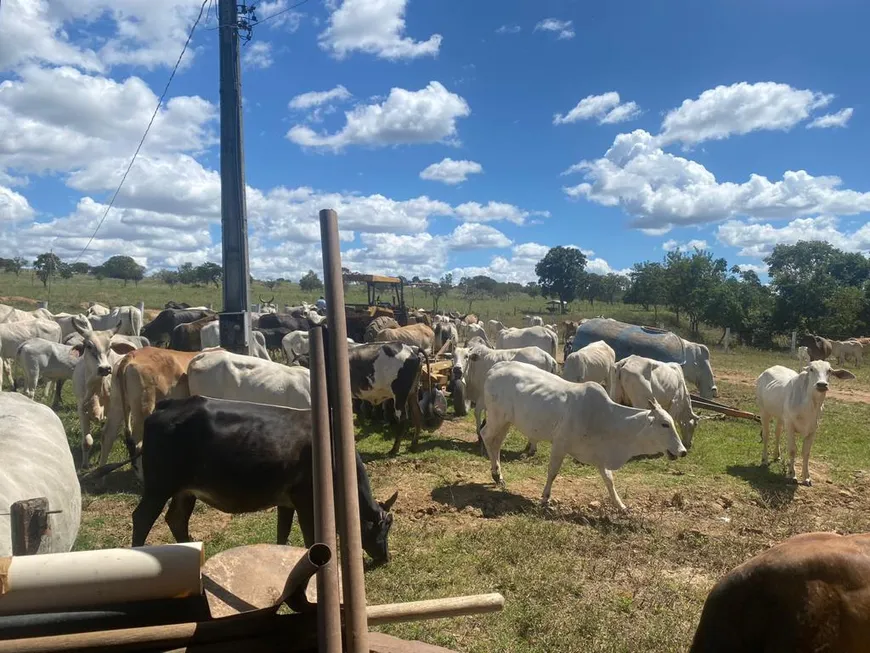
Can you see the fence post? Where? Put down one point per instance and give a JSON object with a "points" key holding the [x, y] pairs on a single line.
{"points": [[141, 306], [727, 338], [793, 341], [29, 521]]}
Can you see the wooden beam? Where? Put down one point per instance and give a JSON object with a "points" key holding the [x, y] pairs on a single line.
{"points": [[29, 525]]}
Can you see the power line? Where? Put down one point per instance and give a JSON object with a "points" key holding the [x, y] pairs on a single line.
{"points": [[147, 129], [278, 13], [244, 24]]}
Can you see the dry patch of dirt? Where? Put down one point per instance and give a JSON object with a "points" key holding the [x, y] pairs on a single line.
{"points": [[13, 299]]}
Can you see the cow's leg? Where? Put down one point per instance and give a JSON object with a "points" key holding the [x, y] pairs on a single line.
{"points": [[144, 516], [493, 436], [805, 452], [87, 438], [792, 450], [557, 455], [416, 416], [531, 449], [305, 510], [765, 436], [607, 475], [178, 516], [58, 389], [777, 453], [285, 524]]}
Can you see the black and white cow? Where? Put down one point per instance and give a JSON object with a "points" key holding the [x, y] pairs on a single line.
{"points": [[238, 457]]}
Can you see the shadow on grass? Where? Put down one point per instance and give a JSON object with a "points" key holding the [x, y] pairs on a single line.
{"points": [[494, 502], [774, 489], [121, 481]]}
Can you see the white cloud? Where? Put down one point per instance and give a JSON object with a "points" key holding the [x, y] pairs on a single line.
{"points": [[600, 266], [758, 240], [375, 28], [405, 117], [449, 171], [739, 109], [759, 269], [420, 254], [257, 55], [563, 29], [493, 212], [660, 190], [313, 99], [671, 245], [477, 236], [14, 206], [839, 119], [606, 108], [277, 14], [508, 29]]}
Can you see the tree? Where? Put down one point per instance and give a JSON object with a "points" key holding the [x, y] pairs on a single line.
{"points": [[532, 289], [647, 286], [208, 273], [80, 268], [169, 277], [560, 273], [47, 265], [14, 264], [593, 287], [477, 287], [123, 268], [691, 280], [187, 274], [271, 284], [310, 282]]}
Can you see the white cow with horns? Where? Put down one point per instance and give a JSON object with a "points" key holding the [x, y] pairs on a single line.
{"points": [[578, 418]]}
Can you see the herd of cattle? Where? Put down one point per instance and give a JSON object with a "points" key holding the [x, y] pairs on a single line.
{"points": [[234, 430]]}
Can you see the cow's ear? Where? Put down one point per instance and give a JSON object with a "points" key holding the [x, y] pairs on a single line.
{"points": [[388, 504], [843, 374], [122, 348], [81, 324], [78, 349]]}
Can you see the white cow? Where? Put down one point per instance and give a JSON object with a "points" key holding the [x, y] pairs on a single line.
{"points": [[130, 318], [444, 331], [44, 360], [795, 400], [65, 322], [476, 330], [594, 362], [225, 375], [10, 314], [12, 334], [803, 356], [296, 345], [493, 327], [92, 378], [637, 380], [471, 367], [210, 336], [844, 350], [37, 462], [536, 336], [95, 308], [578, 418]]}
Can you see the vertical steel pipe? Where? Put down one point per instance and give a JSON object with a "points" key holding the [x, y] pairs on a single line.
{"points": [[352, 578], [328, 604]]}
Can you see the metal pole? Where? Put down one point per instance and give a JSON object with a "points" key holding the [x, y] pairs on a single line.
{"points": [[352, 578], [328, 603], [235, 330]]}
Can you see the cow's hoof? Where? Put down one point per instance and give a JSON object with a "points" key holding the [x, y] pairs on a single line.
{"points": [[807, 482]]}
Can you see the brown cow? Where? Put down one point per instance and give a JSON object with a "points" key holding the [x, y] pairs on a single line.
{"points": [[818, 347], [186, 337], [809, 593], [418, 335], [141, 379]]}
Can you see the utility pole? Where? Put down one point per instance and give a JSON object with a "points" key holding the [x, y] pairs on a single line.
{"points": [[235, 328]]}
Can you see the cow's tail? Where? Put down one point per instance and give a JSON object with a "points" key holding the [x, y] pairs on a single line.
{"points": [[136, 319]]}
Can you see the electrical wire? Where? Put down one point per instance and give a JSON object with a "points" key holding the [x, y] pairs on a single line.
{"points": [[267, 18], [147, 129]]}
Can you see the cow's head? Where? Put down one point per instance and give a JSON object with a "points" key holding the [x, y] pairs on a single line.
{"points": [[663, 434], [95, 347], [818, 373], [374, 533]]}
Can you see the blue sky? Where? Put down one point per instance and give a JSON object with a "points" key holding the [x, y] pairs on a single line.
{"points": [[623, 128]]}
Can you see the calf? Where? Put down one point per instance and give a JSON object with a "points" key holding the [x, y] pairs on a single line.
{"points": [[472, 366], [444, 333], [187, 337], [493, 327], [159, 330], [210, 336], [129, 317], [808, 593], [13, 334], [92, 379], [415, 335], [225, 375], [239, 457], [578, 418], [295, 346], [95, 308], [476, 331], [533, 336], [36, 462], [638, 380], [44, 360], [844, 350], [594, 362], [803, 356], [819, 348], [141, 379], [796, 401]]}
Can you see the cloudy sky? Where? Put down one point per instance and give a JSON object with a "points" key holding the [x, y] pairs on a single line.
{"points": [[450, 135]]}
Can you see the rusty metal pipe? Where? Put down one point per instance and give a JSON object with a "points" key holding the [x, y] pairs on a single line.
{"points": [[353, 580], [328, 602], [316, 557]]}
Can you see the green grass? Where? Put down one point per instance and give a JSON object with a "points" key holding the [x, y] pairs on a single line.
{"points": [[577, 576]]}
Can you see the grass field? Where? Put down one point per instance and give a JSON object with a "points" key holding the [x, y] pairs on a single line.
{"points": [[577, 576]]}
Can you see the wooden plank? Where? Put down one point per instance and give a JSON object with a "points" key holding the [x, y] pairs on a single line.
{"points": [[29, 525], [698, 402], [381, 643]]}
